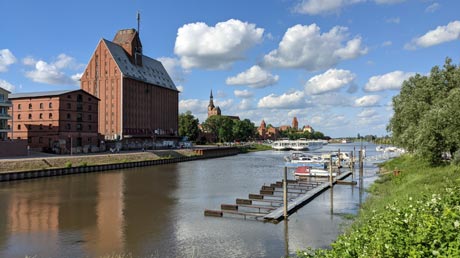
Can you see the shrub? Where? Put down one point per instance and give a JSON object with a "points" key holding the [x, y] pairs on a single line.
{"points": [[68, 164]]}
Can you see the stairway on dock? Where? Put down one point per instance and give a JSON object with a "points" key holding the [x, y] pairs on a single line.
{"points": [[267, 205]]}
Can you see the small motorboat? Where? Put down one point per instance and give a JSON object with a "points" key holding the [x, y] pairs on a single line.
{"points": [[304, 171]]}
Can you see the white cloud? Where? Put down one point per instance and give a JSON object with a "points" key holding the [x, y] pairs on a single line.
{"points": [[294, 99], [394, 20], [331, 80], [29, 61], [389, 1], [6, 59], [245, 104], [432, 8], [172, 66], [254, 77], [52, 73], [367, 101], [387, 43], [437, 36], [7, 86], [388, 81], [193, 105], [180, 88], [314, 7], [201, 46], [367, 113], [306, 47], [243, 94]]}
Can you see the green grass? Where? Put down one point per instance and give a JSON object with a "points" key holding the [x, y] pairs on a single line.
{"points": [[415, 214], [254, 148]]}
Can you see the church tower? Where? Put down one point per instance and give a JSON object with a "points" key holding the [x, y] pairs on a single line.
{"points": [[212, 110]]}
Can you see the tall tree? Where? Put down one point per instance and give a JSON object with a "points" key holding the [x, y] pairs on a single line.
{"points": [[188, 126], [220, 127], [243, 130]]}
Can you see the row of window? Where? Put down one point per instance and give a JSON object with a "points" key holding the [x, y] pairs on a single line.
{"points": [[50, 105], [40, 140], [79, 127], [50, 116]]}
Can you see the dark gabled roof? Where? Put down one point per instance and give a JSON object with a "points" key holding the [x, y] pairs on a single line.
{"points": [[7, 91], [44, 94], [151, 71]]}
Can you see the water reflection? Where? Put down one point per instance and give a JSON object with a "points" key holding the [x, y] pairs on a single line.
{"points": [[158, 211]]}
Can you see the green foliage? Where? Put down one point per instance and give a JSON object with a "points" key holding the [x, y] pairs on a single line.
{"points": [[68, 164], [415, 214], [427, 113], [226, 129], [83, 164], [243, 130], [188, 126]]}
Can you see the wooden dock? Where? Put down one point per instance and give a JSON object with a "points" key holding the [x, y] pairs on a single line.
{"points": [[268, 203]]}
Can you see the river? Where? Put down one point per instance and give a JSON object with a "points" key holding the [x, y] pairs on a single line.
{"points": [[157, 211]]}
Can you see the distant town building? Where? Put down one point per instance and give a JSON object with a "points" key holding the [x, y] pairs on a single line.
{"points": [[56, 120], [5, 104], [284, 128], [308, 128], [138, 99], [295, 124], [267, 133]]}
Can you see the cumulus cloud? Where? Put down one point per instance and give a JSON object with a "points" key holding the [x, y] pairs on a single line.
{"points": [[388, 81], [6, 59], [294, 99], [367, 113], [331, 80], [193, 105], [201, 46], [52, 73], [304, 46], [174, 69], [29, 61], [245, 104], [437, 36], [180, 88], [367, 101], [387, 43], [243, 94], [7, 86], [432, 8], [254, 77], [313, 7]]}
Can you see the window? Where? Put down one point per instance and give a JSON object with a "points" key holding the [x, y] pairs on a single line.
{"points": [[89, 139], [41, 105], [90, 117], [69, 106], [41, 116], [79, 98], [19, 127], [30, 116], [79, 117], [30, 105], [50, 115], [50, 105], [90, 107], [68, 115], [89, 99], [19, 116], [50, 126], [90, 127], [40, 139], [19, 106], [68, 127], [69, 97], [29, 139], [41, 127], [79, 127], [79, 106]]}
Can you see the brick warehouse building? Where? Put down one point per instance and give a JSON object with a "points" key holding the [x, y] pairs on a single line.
{"points": [[139, 100], [56, 120]]}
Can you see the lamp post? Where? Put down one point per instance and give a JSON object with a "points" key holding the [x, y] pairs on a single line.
{"points": [[70, 145]]}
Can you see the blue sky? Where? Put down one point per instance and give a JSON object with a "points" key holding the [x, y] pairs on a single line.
{"points": [[334, 64]]}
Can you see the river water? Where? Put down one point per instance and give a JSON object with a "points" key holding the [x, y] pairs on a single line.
{"points": [[158, 211]]}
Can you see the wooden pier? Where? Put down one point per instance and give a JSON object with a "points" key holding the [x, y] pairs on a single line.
{"points": [[267, 205]]}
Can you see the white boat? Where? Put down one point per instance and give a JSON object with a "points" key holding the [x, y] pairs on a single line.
{"points": [[303, 159], [298, 145], [305, 171], [379, 148]]}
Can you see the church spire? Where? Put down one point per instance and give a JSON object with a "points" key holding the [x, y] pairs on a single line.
{"points": [[211, 101]]}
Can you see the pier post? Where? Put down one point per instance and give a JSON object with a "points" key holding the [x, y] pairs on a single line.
{"points": [[285, 201], [330, 171]]}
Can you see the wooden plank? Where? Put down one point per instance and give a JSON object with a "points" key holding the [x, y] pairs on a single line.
{"points": [[256, 196], [250, 214], [243, 201], [263, 207], [213, 213], [342, 182], [268, 188], [266, 192], [229, 207]]}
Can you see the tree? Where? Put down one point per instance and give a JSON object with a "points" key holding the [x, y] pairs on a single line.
{"points": [[243, 130], [220, 127], [427, 113], [188, 126]]}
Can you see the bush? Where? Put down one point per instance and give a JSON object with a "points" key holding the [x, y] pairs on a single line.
{"points": [[68, 164], [456, 158]]}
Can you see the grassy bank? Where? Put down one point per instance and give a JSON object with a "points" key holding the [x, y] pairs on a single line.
{"points": [[253, 148], [414, 214]]}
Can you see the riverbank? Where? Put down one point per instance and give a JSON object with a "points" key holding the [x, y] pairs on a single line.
{"points": [[413, 211]]}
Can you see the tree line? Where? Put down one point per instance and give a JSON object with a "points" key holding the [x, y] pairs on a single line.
{"points": [[426, 118]]}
